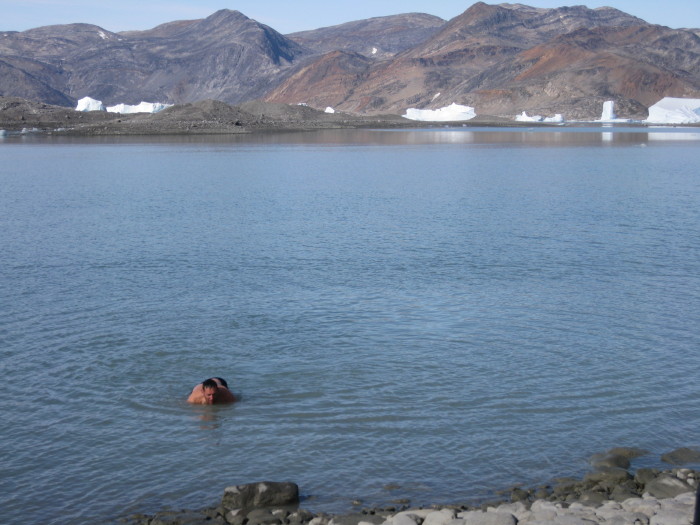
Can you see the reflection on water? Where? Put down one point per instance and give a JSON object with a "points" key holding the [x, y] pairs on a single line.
{"points": [[532, 136], [208, 420]]}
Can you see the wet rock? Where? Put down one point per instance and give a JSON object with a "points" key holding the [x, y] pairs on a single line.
{"points": [[184, 518], [263, 494], [299, 516], [682, 456], [622, 493], [608, 476], [666, 486], [628, 452], [355, 519], [264, 517], [519, 495], [235, 517], [593, 498], [645, 475], [609, 460]]}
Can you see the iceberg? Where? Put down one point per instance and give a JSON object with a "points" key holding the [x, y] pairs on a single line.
{"points": [[90, 104], [329, 110], [452, 113], [558, 118], [671, 110], [608, 111], [609, 115], [143, 107]]}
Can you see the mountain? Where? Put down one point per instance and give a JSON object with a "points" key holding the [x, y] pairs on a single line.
{"points": [[504, 59], [226, 56], [501, 59], [379, 37]]}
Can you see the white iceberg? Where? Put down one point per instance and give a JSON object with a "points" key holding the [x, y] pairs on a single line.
{"points": [[558, 118], [609, 115], [452, 113], [143, 107], [671, 110], [329, 110], [523, 117], [90, 104], [608, 111]]}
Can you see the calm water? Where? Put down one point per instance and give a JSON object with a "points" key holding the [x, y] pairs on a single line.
{"points": [[447, 311]]}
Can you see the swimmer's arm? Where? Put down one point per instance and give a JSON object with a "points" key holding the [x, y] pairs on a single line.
{"points": [[197, 396]]}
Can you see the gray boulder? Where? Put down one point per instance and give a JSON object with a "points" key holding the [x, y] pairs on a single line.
{"points": [[665, 486], [682, 456], [610, 460], [489, 518], [184, 518], [261, 495], [608, 476], [645, 475], [264, 517], [354, 519]]}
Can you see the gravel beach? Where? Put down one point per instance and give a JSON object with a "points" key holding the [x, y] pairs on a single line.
{"points": [[609, 494]]}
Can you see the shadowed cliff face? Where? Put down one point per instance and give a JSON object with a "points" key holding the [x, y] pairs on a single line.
{"points": [[225, 56], [501, 59]]}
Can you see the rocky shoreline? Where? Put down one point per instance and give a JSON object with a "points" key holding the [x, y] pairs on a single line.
{"points": [[609, 494], [209, 117], [19, 116]]}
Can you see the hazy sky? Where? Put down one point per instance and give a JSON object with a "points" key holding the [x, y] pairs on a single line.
{"points": [[288, 16]]}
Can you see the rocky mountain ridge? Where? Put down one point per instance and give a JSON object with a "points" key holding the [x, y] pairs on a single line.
{"points": [[501, 59]]}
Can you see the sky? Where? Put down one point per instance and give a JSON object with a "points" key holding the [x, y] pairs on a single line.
{"points": [[288, 16]]}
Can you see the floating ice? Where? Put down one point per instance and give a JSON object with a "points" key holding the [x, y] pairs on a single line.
{"points": [[451, 113], [329, 110], [671, 110], [374, 50], [90, 104]]}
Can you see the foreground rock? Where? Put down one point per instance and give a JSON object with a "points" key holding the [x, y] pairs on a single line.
{"points": [[609, 495]]}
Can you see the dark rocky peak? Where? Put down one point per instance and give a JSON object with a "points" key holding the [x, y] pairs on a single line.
{"points": [[379, 36], [519, 26], [226, 27], [167, 30], [224, 19], [56, 41], [72, 32]]}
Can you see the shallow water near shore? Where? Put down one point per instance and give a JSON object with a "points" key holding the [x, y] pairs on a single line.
{"points": [[424, 314]]}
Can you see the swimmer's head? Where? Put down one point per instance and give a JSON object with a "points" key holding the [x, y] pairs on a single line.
{"points": [[209, 389]]}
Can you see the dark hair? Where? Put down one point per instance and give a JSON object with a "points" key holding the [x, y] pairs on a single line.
{"points": [[209, 383], [222, 381]]}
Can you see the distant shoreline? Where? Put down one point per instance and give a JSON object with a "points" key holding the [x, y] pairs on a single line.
{"points": [[19, 116]]}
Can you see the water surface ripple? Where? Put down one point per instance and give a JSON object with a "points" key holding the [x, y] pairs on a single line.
{"points": [[447, 311]]}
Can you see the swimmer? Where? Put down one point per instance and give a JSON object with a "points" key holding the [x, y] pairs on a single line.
{"points": [[210, 392]]}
